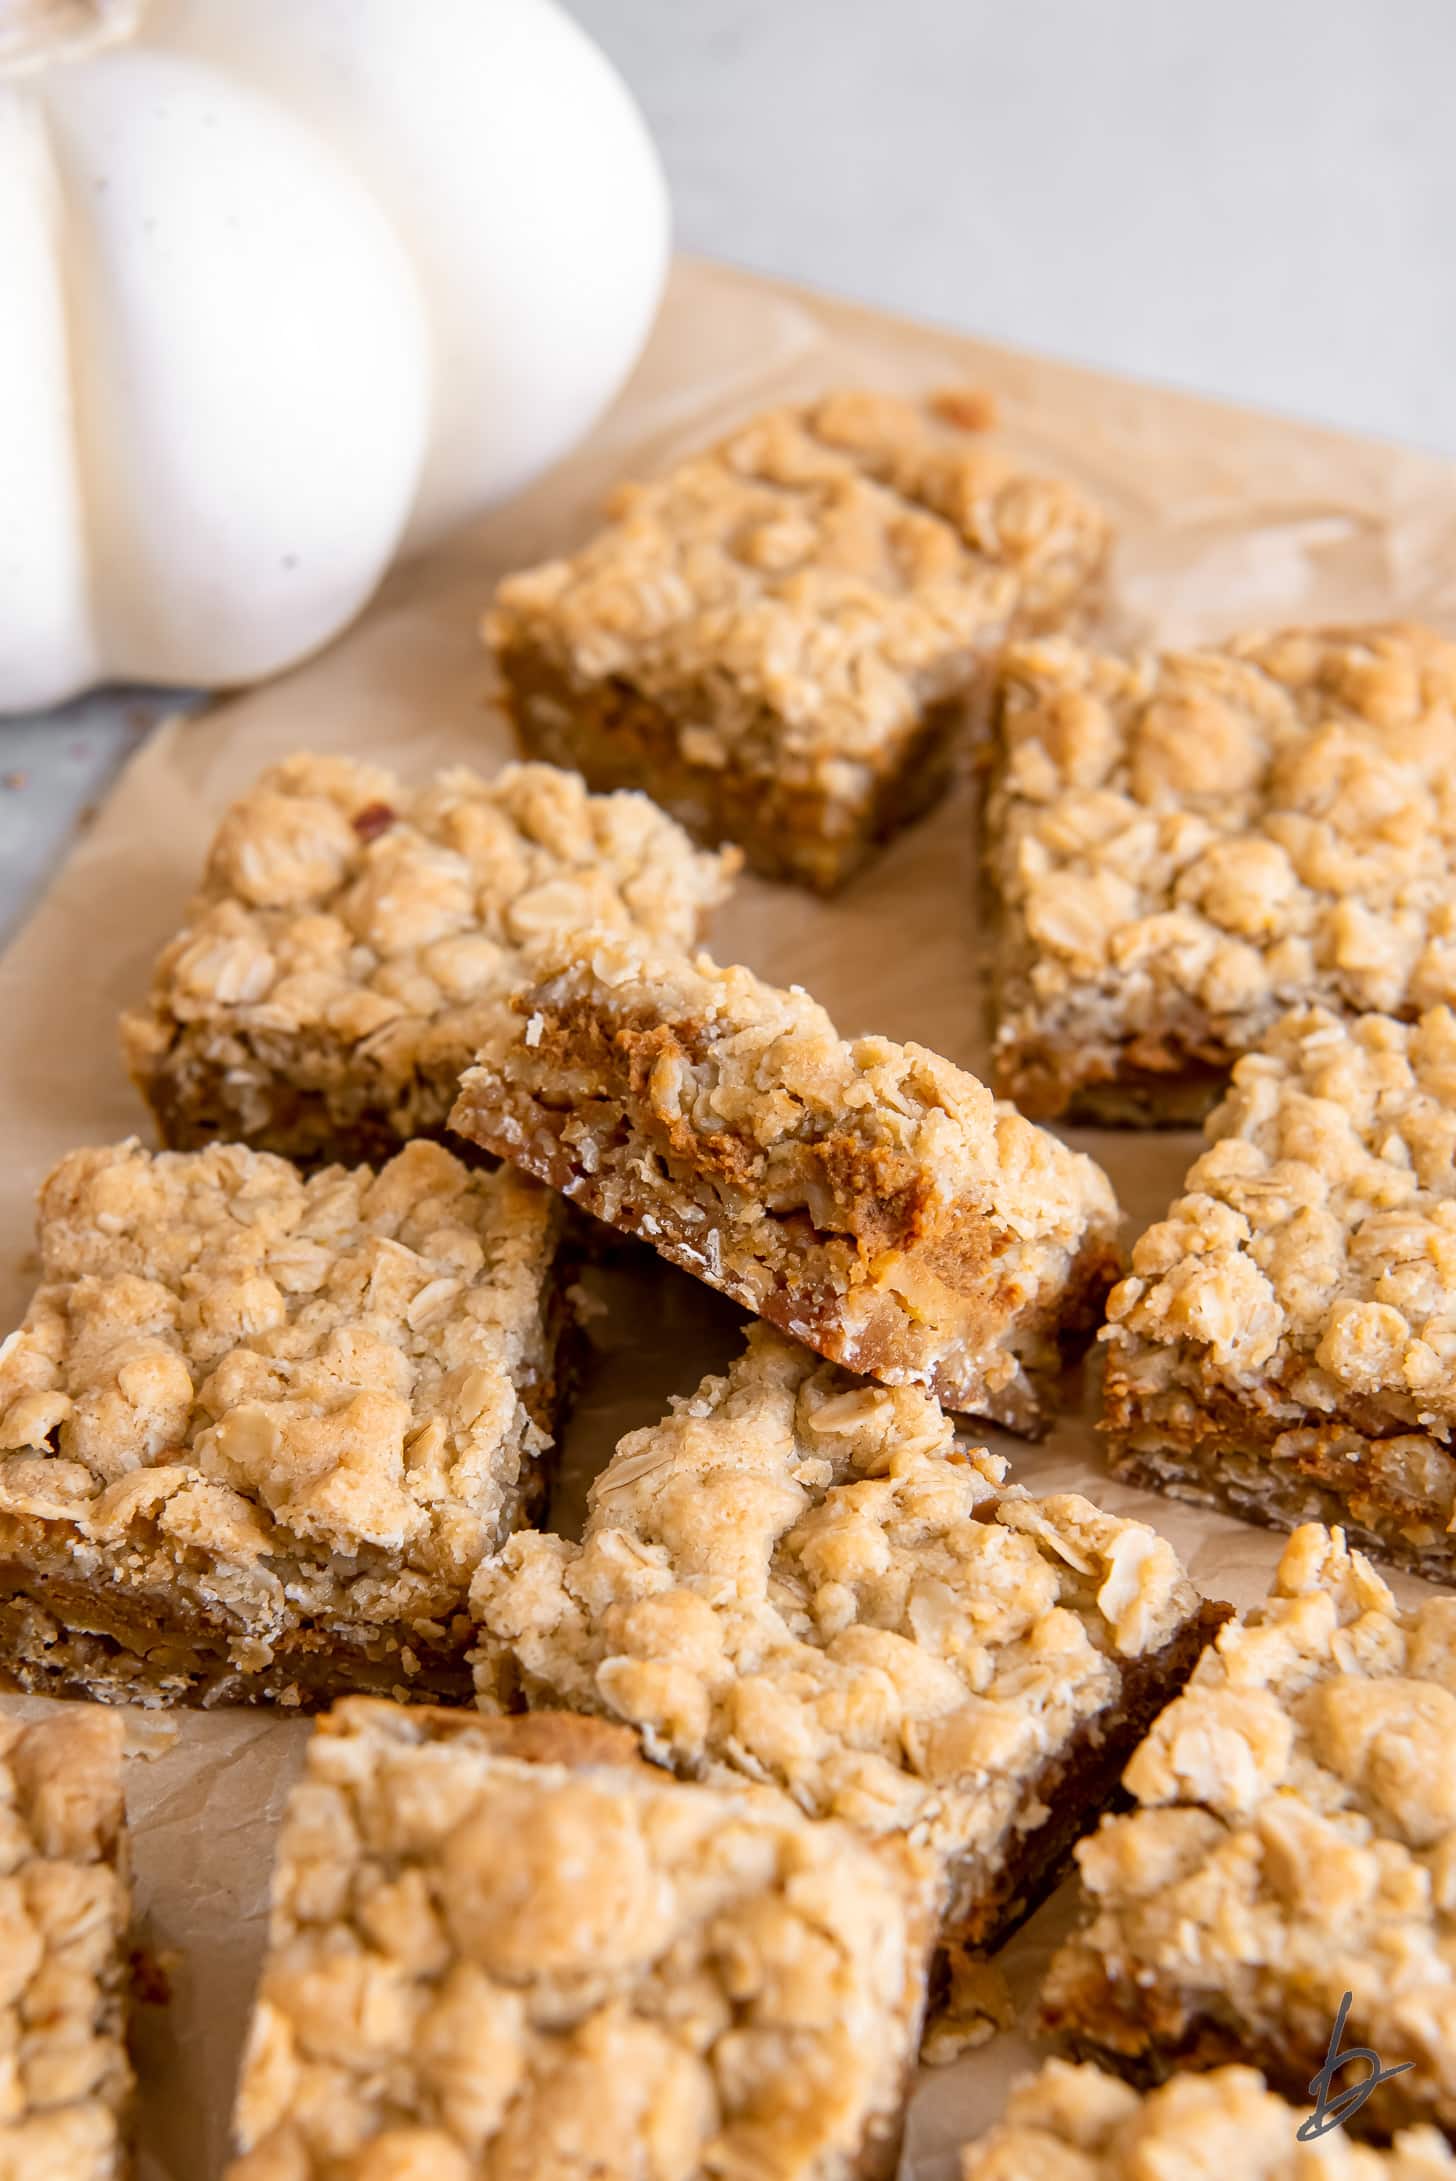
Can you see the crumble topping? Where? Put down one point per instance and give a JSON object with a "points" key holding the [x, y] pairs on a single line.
{"points": [[1295, 1835], [1313, 1250], [841, 564], [1077, 2124], [482, 1965], [342, 910], [665, 1081], [1229, 831], [805, 1578], [296, 1393], [64, 2078]]}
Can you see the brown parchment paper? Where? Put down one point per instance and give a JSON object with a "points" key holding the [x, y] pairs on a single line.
{"points": [[1226, 519]]}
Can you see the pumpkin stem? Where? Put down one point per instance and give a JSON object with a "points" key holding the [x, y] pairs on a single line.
{"points": [[35, 33]]}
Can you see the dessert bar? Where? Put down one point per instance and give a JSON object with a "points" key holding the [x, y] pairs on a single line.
{"points": [[777, 639], [869, 1198], [1077, 2124], [1293, 1839], [65, 2080], [1180, 848], [803, 1578], [509, 1947], [256, 1431], [321, 1000], [1286, 1344]]}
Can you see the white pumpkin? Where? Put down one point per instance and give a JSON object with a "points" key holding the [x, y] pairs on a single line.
{"points": [[286, 287]]}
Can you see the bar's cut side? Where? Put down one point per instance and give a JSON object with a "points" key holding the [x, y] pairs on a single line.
{"points": [[803, 1578], [256, 1431], [867, 1197], [508, 1948], [65, 1905], [1294, 1839], [1286, 1344], [1077, 2124], [322, 998], [777, 640], [1181, 848]]}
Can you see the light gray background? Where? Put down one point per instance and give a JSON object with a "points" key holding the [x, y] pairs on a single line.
{"points": [[1255, 198]]}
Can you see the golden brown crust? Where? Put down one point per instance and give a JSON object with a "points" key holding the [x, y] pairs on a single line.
{"points": [[1077, 2124], [803, 1578], [545, 1965], [322, 998], [256, 1422], [764, 638], [1186, 845], [1285, 1342], [1293, 1839], [64, 1910]]}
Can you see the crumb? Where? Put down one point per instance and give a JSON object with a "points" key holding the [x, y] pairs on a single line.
{"points": [[148, 1737], [372, 820], [15, 781], [585, 1305], [977, 2008], [150, 1975], [968, 408]]}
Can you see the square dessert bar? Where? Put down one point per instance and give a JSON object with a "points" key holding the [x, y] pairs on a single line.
{"points": [[65, 1904], [1181, 848], [1077, 2124], [1293, 1839], [322, 999], [777, 639], [256, 1430], [1286, 1344], [509, 1948], [803, 1578], [869, 1198]]}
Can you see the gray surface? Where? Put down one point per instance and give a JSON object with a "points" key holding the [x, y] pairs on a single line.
{"points": [[1255, 200]]}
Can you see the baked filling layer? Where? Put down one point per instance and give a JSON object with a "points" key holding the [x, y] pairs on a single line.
{"points": [[867, 1198], [989, 1895], [790, 823], [1148, 2029], [1392, 1490], [910, 1324], [272, 1101], [61, 1638]]}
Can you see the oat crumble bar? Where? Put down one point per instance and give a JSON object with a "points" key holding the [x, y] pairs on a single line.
{"points": [[1286, 1344], [65, 2080], [1180, 848], [777, 639], [256, 1431], [1077, 2124], [803, 1578], [1294, 1839], [322, 998], [508, 1950], [867, 1197]]}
